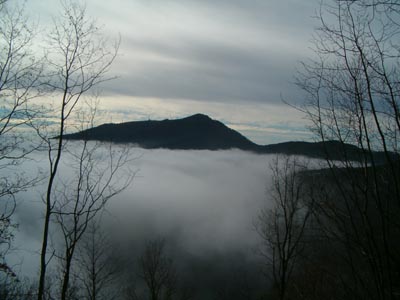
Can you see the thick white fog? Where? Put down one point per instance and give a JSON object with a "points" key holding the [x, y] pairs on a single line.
{"points": [[207, 200], [203, 202]]}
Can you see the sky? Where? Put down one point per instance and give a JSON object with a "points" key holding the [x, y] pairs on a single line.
{"points": [[234, 60]]}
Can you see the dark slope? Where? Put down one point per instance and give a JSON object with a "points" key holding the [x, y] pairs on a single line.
{"points": [[200, 132], [332, 149], [194, 132]]}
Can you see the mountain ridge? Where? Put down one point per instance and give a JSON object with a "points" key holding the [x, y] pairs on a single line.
{"points": [[200, 132]]}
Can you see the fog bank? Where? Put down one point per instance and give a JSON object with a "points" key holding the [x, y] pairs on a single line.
{"points": [[203, 203]]}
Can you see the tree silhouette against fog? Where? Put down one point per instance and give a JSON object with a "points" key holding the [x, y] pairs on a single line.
{"points": [[283, 226], [350, 247], [353, 94], [98, 266], [20, 72], [97, 177], [156, 269], [79, 58]]}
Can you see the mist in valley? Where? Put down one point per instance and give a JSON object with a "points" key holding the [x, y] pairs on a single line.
{"points": [[202, 204], [86, 215]]}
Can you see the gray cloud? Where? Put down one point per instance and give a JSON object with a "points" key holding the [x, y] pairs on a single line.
{"points": [[204, 71], [212, 51], [219, 52]]}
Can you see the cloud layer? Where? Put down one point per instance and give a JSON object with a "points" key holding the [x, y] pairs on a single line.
{"points": [[203, 202], [220, 54], [229, 51]]}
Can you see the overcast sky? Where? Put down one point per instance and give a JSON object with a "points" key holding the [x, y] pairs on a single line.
{"points": [[231, 59]]}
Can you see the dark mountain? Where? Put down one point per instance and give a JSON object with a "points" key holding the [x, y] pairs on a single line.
{"points": [[332, 149], [194, 132], [200, 132]]}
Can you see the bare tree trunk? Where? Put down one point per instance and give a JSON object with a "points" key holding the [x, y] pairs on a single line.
{"points": [[80, 59]]}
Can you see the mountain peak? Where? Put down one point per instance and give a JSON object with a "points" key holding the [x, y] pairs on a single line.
{"points": [[198, 131], [200, 117], [201, 132]]}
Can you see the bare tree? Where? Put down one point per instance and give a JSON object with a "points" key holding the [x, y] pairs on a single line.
{"points": [[353, 94], [97, 179], [12, 289], [79, 57], [157, 271], [98, 265], [20, 72], [283, 226]]}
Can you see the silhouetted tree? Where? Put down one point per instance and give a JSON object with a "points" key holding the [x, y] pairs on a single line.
{"points": [[12, 288], [79, 58], [82, 198], [283, 226], [353, 95], [98, 266], [20, 72], [157, 271], [98, 174]]}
